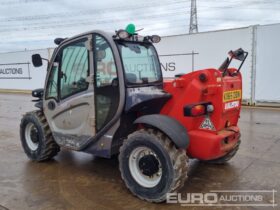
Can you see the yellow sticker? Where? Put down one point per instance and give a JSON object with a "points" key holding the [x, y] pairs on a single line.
{"points": [[232, 95]]}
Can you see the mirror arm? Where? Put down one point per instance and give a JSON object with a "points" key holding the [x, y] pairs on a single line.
{"points": [[45, 59], [226, 66], [246, 54]]}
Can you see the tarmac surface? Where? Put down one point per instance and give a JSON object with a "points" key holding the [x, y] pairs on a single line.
{"points": [[76, 180]]}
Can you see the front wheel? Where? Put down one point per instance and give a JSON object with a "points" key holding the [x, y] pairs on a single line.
{"points": [[151, 166], [36, 137]]}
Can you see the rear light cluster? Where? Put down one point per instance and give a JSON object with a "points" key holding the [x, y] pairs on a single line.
{"points": [[200, 109]]}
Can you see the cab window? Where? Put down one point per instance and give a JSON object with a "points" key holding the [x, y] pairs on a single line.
{"points": [[106, 68], [74, 69], [52, 85]]}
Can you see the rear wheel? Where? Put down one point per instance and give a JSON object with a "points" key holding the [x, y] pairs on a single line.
{"points": [[151, 166], [36, 137], [225, 158]]}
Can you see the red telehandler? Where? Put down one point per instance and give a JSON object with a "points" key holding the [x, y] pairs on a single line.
{"points": [[104, 94]]}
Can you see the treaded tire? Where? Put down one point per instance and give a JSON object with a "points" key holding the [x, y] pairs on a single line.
{"points": [[47, 148], [226, 158], [174, 164]]}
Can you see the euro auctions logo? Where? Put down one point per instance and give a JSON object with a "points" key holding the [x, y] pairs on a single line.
{"points": [[223, 198]]}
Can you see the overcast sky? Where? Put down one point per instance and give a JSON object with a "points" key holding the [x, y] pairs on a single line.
{"points": [[33, 24]]}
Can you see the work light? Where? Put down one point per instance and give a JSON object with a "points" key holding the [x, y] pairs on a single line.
{"points": [[122, 34], [155, 39]]}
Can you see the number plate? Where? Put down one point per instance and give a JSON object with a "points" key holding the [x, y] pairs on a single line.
{"points": [[232, 95], [231, 105]]}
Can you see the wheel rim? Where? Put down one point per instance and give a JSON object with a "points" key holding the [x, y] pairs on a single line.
{"points": [[31, 136], [145, 167]]}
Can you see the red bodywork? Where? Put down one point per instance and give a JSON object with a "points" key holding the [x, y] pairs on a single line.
{"points": [[206, 143]]}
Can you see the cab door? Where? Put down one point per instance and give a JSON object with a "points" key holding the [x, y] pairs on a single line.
{"points": [[69, 94], [106, 82]]}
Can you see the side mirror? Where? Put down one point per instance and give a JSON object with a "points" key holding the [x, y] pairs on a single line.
{"points": [[238, 54], [37, 60]]}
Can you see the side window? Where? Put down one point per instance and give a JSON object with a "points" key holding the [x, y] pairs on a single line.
{"points": [[106, 69], [51, 91], [74, 69]]}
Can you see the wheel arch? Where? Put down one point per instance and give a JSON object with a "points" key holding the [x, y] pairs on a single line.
{"points": [[169, 126]]}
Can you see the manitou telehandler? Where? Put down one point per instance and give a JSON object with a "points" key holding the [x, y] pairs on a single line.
{"points": [[104, 94]]}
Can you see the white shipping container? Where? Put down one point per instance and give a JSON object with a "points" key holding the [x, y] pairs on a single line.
{"points": [[267, 64], [184, 53], [18, 73]]}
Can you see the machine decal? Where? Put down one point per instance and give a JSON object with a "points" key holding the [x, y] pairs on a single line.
{"points": [[232, 95], [207, 124], [231, 105]]}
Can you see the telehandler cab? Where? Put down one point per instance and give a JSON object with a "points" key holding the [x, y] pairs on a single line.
{"points": [[104, 94]]}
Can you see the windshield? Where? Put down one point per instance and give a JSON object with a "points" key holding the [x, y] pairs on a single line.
{"points": [[140, 61]]}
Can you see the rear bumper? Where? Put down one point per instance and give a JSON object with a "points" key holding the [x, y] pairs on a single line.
{"points": [[207, 146]]}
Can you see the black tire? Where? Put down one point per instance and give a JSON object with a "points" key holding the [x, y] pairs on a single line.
{"points": [[226, 158], [173, 162], [46, 147]]}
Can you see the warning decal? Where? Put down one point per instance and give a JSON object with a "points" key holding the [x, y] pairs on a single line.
{"points": [[207, 124]]}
